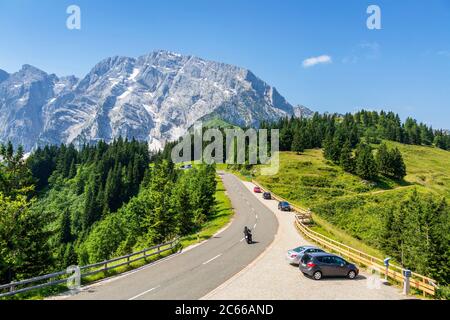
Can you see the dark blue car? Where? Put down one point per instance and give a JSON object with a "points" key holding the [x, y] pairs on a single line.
{"points": [[284, 206]]}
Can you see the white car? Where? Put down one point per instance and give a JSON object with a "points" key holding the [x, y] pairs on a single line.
{"points": [[293, 256]]}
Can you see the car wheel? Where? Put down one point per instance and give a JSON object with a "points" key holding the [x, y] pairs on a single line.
{"points": [[317, 275], [352, 274]]}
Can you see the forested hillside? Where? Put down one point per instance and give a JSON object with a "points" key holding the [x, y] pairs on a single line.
{"points": [[64, 206], [381, 181], [297, 134]]}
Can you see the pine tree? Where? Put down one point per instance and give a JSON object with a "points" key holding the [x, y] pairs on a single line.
{"points": [[181, 204], [73, 169], [297, 142], [332, 148], [285, 138], [65, 233], [366, 166], [384, 160], [160, 222], [346, 160], [398, 165]]}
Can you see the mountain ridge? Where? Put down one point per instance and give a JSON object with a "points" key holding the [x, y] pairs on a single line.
{"points": [[154, 97]]}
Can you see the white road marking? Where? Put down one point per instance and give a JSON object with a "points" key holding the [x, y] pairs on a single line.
{"points": [[256, 216], [212, 259], [254, 227], [242, 239], [141, 294]]}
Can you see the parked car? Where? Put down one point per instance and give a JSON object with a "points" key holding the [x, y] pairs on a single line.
{"points": [[293, 256], [267, 195], [284, 206], [257, 190], [322, 264]]}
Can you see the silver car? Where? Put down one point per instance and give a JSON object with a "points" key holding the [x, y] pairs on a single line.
{"points": [[293, 256]]}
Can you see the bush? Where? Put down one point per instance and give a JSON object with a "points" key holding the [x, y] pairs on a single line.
{"points": [[443, 293]]}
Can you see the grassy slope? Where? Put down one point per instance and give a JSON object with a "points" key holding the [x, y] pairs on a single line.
{"points": [[426, 166], [309, 181]]}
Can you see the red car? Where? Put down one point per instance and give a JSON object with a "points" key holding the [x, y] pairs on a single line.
{"points": [[257, 190]]}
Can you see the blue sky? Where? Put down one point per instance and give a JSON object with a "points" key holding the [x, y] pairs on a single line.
{"points": [[404, 67]]}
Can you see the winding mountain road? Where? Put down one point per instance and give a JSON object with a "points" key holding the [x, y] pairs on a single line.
{"points": [[226, 267], [193, 273]]}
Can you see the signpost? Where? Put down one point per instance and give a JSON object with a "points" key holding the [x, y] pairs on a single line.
{"points": [[386, 263], [406, 285]]}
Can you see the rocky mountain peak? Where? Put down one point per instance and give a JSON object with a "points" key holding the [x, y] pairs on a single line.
{"points": [[154, 97]]}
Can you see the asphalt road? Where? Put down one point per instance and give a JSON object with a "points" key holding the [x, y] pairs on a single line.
{"points": [[194, 273]]}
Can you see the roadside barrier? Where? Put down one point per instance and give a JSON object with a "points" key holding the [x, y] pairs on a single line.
{"points": [[61, 277]]}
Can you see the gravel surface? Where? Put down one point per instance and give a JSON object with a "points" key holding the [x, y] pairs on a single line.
{"points": [[271, 277]]}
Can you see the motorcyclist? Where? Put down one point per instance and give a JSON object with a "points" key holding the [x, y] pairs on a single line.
{"points": [[248, 234]]}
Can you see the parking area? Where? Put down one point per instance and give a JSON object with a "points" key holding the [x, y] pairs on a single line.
{"points": [[271, 277]]}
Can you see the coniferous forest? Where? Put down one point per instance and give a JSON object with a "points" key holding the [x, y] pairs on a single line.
{"points": [[414, 230], [63, 206]]}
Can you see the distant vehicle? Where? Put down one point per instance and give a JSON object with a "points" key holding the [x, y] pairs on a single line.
{"points": [[293, 256], [284, 206], [321, 264], [257, 190], [267, 195], [186, 167]]}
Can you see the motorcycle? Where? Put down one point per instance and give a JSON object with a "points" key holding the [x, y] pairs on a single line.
{"points": [[248, 237]]}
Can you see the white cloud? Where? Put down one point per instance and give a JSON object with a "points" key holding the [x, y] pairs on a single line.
{"points": [[323, 59]]}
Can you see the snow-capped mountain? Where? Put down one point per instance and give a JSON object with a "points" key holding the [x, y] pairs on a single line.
{"points": [[155, 98]]}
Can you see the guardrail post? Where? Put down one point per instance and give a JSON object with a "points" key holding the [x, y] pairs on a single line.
{"points": [[128, 261], [106, 267], [13, 287]]}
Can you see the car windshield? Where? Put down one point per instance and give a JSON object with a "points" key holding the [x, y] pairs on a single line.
{"points": [[299, 249], [284, 204]]}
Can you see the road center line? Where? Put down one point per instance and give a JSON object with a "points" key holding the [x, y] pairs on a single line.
{"points": [[141, 294], [212, 259]]}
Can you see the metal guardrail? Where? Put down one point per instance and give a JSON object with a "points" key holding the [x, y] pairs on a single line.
{"points": [[62, 276], [422, 283]]}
